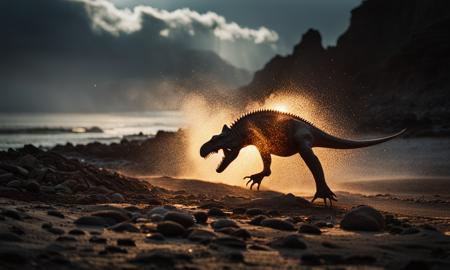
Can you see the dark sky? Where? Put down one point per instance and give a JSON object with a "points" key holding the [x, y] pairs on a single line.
{"points": [[97, 55], [289, 18]]}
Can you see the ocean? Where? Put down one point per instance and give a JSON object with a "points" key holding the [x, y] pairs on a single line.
{"points": [[50, 129]]}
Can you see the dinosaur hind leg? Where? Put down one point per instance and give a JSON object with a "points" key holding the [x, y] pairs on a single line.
{"points": [[313, 163]]}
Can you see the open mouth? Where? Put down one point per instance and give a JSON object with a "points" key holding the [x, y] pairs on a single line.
{"points": [[226, 152]]}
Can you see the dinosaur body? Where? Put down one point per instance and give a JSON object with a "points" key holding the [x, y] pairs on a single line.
{"points": [[281, 134]]}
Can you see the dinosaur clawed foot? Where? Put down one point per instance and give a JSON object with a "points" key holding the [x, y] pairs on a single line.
{"points": [[325, 194], [254, 179]]}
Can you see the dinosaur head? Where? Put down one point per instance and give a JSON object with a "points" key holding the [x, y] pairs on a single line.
{"points": [[226, 141]]}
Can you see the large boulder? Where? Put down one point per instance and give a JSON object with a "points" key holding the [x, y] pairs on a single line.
{"points": [[363, 218]]}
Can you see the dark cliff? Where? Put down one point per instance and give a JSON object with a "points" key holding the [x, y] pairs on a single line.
{"points": [[389, 69]]}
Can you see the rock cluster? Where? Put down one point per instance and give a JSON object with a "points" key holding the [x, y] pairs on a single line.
{"points": [[31, 172]]}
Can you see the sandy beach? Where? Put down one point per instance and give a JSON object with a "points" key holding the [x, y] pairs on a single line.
{"points": [[121, 222]]}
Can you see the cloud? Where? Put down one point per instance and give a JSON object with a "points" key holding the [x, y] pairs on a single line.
{"points": [[105, 16]]}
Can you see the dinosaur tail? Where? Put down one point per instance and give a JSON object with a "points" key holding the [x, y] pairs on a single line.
{"points": [[330, 141]]}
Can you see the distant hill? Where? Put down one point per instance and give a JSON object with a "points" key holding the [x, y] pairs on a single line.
{"points": [[53, 60], [389, 69]]}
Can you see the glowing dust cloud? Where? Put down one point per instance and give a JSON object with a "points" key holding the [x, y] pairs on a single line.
{"points": [[288, 174]]}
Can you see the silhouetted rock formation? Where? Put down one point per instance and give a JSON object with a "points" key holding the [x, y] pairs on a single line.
{"points": [[389, 69]]}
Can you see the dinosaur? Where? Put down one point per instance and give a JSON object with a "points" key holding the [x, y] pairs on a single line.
{"points": [[281, 134]]}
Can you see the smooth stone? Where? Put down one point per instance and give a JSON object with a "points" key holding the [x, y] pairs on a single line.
{"points": [[154, 236], [257, 220], [14, 214], [56, 231], [230, 242], [241, 233], [13, 255], [117, 197], [311, 259], [92, 221], [291, 242], [164, 259], [97, 240], [201, 217], [77, 232], [114, 216], [32, 186], [363, 218], [55, 213], [66, 239], [9, 237], [15, 184], [124, 227], [187, 220], [6, 178], [161, 210], [254, 212], [156, 218], [170, 229], [239, 210], [277, 224], [309, 229], [115, 249], [223, 223], [202, 236], [216, 212], [126, 242]]}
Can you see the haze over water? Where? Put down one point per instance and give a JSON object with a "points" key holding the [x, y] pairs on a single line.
{"points": [[49, 129]]}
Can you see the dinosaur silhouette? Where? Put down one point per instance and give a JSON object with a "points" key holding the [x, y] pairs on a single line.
{"points": [[281, 134]]}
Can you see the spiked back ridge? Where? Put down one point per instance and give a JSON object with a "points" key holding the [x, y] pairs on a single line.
{"points": [[255, 113]]}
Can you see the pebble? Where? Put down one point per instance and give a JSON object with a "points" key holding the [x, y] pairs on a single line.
{"points": [[311, 259], [113, 216], [115, 249], [222, 223], [14, 184], [161, 210], [126, 242], [187, 220], [162, 258], [117, 198], [230, 242], [201, 217], [410, 230], [277, 224], [97, 240], [363, 218], [55, 213], [239, 211], [56, 231], [254, 212], [291, 242], [154, 236], [257, 220], [309, 229], [11, 213], [329, 245], [32, 186], [66, 239], [9, 237], [92, 221], [156, 218], [202, 236], [216, 212], [13, 255], [170, 229], [77, 232], [241, 233], [124, 227]]}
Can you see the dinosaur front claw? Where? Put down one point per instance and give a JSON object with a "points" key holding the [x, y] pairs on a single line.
{"points": [[254, 179], [325, 194]]}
